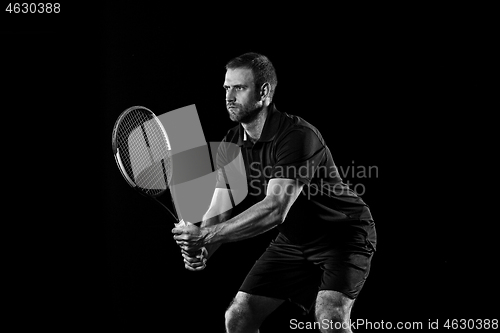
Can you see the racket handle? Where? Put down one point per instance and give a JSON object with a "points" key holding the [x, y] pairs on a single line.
{"points": [[182, 223]]}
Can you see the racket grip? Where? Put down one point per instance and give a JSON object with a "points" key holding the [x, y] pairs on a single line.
{"points": [[182, 223]]}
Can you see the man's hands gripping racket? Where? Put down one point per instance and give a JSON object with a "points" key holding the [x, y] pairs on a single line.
{"points": [[143, 154]]}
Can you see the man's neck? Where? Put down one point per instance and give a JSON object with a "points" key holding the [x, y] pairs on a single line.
{"points": [[254, 128]]}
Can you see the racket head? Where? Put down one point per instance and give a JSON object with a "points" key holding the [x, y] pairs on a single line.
{"points": [[142, 151]]}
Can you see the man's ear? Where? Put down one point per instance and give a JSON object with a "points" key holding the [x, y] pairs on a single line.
{"points": [[265, 90]]}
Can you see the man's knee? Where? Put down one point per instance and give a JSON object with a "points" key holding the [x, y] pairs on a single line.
{"points": [[333, 320], [334, 308], [240, 315], [247, 312], [237, 315]]}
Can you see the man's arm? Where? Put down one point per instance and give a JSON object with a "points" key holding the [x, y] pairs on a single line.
{"points": [[218, 212], [264, 215]]}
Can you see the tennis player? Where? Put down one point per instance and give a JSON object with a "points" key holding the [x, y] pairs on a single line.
{"points": [[322, 255]]}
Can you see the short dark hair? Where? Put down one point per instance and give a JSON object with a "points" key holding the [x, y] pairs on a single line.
{"points": [[262, 69]]}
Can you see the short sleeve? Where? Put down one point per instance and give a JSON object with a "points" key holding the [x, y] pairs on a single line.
{"points": [[298, 154], [230, 166], [220, 162]]}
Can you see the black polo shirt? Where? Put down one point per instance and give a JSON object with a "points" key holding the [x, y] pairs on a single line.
{"points": [[290, 147]]}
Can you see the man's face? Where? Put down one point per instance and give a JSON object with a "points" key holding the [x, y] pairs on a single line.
{"points": [[241, 98]]}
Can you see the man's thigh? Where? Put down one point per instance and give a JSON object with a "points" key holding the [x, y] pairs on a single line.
{"points": [[283, 273]]}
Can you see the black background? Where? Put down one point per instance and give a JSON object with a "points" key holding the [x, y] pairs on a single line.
{"points": [[384, 94]]}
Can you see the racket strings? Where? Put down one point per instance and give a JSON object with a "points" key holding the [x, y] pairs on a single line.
{"points": [[148, 161], [148, 144], [128, 125], [146, 170], [158, 153]]}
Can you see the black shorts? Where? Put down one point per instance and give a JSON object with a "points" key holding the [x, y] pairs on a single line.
{"points": [[338, 260]]}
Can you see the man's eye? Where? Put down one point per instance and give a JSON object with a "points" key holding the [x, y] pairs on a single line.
{"points": [[236, 88]]}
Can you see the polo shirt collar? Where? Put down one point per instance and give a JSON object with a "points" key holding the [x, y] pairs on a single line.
{"points": [[270, 127]]}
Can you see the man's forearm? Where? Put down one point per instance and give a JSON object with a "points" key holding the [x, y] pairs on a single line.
{"points": [[258, 219], [211, 221]]}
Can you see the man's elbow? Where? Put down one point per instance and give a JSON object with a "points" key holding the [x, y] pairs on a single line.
{"points": [[276, 217], [277, 211]]}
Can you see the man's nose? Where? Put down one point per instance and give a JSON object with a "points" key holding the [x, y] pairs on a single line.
{"points": [[230, 96]]}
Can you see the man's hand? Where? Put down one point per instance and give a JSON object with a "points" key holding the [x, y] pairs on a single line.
{"points": [[189, 237], [191, 240], [197, 262]]}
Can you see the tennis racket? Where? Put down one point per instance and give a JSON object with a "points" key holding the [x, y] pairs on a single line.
{"points": [[143, 154]]}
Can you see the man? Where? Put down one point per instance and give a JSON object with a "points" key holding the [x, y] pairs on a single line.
{"points": [[327, 236]]}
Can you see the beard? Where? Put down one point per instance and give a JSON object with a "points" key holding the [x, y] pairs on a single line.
{"points": [[245, 113]]}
